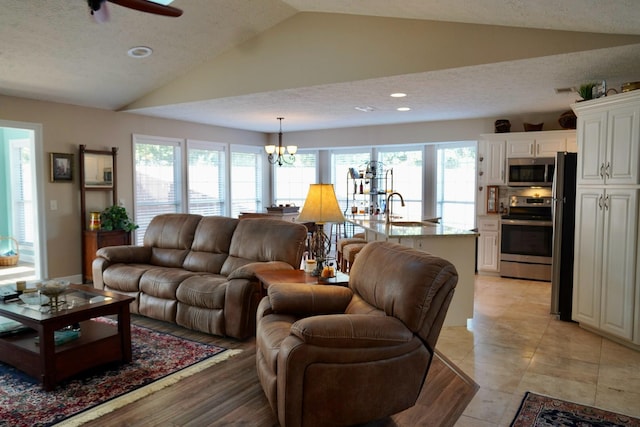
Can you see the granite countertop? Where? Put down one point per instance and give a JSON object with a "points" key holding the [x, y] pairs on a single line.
{"points": [[407, 228]]}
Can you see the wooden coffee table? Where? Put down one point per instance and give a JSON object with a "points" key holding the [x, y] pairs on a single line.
{"points": [[269, 277], [98, 344]]}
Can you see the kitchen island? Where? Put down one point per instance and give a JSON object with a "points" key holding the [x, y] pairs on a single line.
{"points": [[455, 245]]}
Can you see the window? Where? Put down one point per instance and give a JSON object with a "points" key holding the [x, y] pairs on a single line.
{"points": [[158, 179], [291, 181], [22, 203], [403, 170], [206, 178], [246, 180], [456, 181]]}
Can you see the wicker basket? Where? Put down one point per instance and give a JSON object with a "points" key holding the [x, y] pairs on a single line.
{"points": [[9, 260]]}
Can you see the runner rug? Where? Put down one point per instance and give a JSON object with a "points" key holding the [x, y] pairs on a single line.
{"points": [[543, 411], [159, 360]]}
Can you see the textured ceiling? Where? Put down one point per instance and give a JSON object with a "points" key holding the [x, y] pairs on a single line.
{"points": [[53, 51]]}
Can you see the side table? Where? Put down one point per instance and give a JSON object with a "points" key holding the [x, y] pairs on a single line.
{"points": [[269, 277]]}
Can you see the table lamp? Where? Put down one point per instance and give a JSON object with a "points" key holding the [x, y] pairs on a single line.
{"points": [[320, 206]]}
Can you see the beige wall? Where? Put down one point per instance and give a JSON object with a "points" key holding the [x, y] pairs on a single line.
{"points": [[66, 126]]}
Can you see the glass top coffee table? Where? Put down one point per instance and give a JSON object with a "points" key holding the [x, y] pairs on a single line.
{"points": [[33, 350]]}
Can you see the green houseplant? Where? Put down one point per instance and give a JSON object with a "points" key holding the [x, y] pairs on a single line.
{"points": [[586, 91], [116, 218]]}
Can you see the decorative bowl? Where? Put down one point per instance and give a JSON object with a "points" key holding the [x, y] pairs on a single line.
{"points": [[54, 288]]}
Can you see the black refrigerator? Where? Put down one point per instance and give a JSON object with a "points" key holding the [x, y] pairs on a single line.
{"points": [[564, 219]]}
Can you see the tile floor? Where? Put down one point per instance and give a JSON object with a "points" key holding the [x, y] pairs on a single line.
{"points": [[514, 345]]}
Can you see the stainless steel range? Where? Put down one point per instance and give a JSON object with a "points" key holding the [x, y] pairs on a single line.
{"points": [[527, 239]]}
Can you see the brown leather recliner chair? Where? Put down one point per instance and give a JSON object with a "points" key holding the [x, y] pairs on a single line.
{"points": [[332, 356]]}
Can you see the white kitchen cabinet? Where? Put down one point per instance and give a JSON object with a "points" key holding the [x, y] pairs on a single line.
{"points": [[609, 141], [538, 144], [489, 245], [606, 293], [495, 168], [491, 167], [605, 260]]}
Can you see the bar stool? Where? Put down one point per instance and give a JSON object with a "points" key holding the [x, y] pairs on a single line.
{"points": [[340, 244], [349, 253]]}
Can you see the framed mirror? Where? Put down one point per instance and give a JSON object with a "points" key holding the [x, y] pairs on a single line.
{"points": [[98, 170]]}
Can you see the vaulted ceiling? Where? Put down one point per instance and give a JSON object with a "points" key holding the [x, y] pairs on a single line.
{"points": [[242, 63]]}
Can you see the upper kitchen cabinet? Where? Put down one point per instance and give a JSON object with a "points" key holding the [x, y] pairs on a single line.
{"points": [[540, 144], [491, 159], [609, 140]]}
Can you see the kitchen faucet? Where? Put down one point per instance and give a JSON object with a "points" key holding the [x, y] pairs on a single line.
{"points": [[389, 208]]}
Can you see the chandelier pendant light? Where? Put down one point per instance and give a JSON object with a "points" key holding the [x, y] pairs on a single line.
{"points": [[280, 154]]}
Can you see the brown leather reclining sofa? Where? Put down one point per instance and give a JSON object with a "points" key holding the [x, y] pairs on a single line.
{"points": [[198, 271]]}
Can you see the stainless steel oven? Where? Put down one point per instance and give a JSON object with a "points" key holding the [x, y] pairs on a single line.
{"points": [[527, 239]]}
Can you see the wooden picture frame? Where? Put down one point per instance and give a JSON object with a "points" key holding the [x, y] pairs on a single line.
{"points": [[492, 198], [61, 165]]}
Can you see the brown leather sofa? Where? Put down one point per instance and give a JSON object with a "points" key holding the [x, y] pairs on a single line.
{"points": [[199, 272], [334, 356]]}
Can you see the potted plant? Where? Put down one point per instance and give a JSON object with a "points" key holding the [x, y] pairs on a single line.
{"points": [[116, 218], [586, 91]]}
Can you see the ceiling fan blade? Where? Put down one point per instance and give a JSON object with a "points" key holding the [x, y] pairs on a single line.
{"points": [[149, 7]]}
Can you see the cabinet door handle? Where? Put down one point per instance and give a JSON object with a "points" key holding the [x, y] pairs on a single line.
{"points": [[600, 201], [607, 169], [480, 188], [606, 202], [601, 170], [481, 173]]}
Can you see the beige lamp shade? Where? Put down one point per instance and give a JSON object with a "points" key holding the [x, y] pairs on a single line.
{"points": [[321, 205]]}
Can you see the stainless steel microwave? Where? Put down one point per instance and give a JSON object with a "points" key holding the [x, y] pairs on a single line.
{"points": [[530, 172]]}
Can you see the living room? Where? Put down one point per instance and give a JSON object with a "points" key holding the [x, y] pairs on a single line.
{"points": [[61, 126]]}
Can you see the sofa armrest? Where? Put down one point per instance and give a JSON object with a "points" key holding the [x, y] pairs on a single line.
{"points": [[307, 299], [248, 271], [126, 254], [351, 331]]}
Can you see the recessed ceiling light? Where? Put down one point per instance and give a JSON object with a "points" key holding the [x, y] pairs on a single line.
{"points": [[398, 95], [139, 52], [403, 109], [366, 109]]}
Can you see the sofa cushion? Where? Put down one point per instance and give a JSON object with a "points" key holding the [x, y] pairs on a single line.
{"points": [[206, 291], [260, 239], [124, 277], [211, 243], [163, 282], [170, 237]]}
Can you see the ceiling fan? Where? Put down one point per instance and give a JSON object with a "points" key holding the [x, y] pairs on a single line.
{"points": [[159, 7]]}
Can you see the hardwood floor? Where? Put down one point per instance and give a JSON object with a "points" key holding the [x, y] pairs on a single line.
{"points": [[229, 394]]}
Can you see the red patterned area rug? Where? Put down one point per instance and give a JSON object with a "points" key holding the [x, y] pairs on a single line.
{"points": [[159, 360], [543, 411]]}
